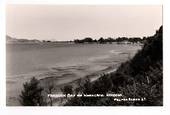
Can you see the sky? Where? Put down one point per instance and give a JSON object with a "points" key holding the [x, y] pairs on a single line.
{"points": [[69, 22]]}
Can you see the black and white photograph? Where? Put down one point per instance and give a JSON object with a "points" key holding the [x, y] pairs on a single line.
{"points": [[84, 55]]}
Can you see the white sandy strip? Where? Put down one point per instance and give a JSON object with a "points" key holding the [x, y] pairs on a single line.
{"points": [[98, 76]]}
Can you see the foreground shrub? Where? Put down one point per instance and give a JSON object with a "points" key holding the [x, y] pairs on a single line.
{"points": [[31, 95]]}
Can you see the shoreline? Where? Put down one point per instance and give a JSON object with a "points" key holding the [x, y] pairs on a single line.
{"points": [[46, 81], [93, 77]]}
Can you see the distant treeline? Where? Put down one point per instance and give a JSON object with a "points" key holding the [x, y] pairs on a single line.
{"points": [[110, 40], [101, 40]]}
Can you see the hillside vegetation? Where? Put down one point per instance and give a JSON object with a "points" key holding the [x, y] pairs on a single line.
{"points": [[139, 81], [140, 77]]}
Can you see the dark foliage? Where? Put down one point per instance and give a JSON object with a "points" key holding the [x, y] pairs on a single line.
{"points": [[101, 40], [68, 89], [139, 77], [32, 94], [85, 40]]}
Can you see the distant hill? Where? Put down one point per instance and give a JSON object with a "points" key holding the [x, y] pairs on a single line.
{"points": [[140, 77], [11, 40]]}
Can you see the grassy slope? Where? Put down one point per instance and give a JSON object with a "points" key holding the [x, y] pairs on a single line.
{"points": [[139, 77]]}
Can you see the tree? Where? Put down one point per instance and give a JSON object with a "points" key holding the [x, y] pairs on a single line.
{"points": [[88, 40], [31, 95], [101, 40]]}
